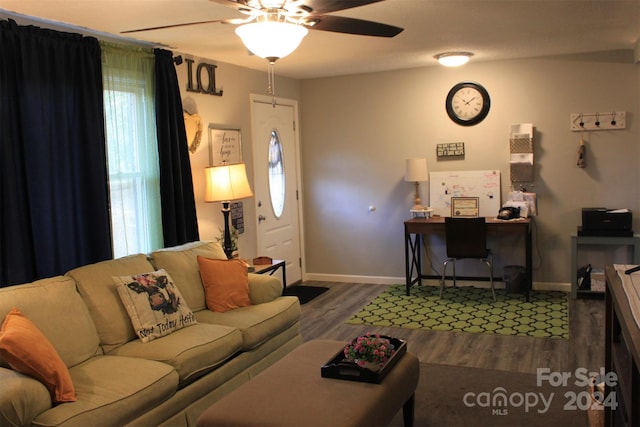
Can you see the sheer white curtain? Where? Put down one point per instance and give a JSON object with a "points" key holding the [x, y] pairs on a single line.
{"points": [[128, 77]]}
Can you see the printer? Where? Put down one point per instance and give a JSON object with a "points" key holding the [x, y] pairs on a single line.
{"points": [[606, 222]]}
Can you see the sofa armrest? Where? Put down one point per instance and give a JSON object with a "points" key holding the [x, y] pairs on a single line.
{"points": [[22, 398], [263, 288]]}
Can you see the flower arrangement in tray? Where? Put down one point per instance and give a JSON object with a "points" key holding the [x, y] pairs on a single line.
{"points": [[369, 350]]}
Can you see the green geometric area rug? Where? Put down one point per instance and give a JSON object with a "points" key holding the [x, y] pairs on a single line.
{"points": [[469, 309]]}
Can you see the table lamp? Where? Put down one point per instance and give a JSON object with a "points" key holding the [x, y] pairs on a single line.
{"points": [[225, 184], [416, 171]]}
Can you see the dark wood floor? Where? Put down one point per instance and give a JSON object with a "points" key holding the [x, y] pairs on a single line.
{"points": [[324, 317]]}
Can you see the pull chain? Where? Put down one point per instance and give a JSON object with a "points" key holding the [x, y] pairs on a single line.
{"points": [[271, 83]]}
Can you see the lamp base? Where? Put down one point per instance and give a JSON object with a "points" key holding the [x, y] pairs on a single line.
{"points": [[228, 248]]}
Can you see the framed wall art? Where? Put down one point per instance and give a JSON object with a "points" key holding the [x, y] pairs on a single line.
{"points": [[467, 207], [224, 146]]}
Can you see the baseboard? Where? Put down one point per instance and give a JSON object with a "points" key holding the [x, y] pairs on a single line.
{"points": [[388, 280], [345, 278]]}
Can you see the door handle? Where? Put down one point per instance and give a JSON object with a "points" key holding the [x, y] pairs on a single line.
{"points": [[261, 218]]}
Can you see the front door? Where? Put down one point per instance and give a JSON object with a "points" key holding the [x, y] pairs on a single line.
{"points": [[275, 164]]}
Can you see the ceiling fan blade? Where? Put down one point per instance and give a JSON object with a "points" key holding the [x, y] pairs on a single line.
{"points": [[241, 5], [326, 6], [161, 27], [340, 24]]}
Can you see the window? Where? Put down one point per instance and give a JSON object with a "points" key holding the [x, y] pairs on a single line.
{"points": [[132, 150], [276, 174]]}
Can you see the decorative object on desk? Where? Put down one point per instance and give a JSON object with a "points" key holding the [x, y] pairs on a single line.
{"points": [[465, 207], [469, 309], [425, 212], [224, 184], [341, 367], [370, 351], [468, 103], [416, 171]]}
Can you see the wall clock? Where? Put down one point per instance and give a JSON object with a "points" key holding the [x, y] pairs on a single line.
{"points": [[468, 103]]}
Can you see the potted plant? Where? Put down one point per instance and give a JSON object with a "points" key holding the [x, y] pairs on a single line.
{"points": [[234, 233], [370, 351]]}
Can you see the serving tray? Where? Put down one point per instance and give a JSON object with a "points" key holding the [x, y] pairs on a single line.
{"points": [[340, 368]]}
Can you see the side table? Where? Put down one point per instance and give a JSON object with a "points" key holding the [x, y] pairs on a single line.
{"points": [[271, 268]]}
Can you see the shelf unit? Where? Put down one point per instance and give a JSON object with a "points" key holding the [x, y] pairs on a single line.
{"points": [[622, 355], [576, 241]]}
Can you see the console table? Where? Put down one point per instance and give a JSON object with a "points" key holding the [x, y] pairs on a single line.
{"points": [[415, 228], [622, 353]]}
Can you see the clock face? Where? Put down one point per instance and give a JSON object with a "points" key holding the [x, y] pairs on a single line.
{"points": [[468, 103]]}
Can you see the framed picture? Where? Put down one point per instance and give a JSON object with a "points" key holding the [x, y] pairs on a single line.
{"points": [[224, 146], [468, 207]]}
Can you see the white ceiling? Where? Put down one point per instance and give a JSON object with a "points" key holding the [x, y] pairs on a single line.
{"points": [[492, 29]]}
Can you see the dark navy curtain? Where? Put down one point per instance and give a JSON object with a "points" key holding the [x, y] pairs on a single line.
{"points": [[179, 220], [54, 199]]}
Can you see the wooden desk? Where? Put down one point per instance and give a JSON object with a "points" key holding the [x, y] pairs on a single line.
{"points": [[416, 227]]}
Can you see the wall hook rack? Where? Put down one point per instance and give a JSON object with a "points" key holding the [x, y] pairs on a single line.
{"points": [[607, 120]]}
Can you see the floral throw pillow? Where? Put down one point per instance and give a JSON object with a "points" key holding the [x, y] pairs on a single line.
{"points": [[154, 304]]}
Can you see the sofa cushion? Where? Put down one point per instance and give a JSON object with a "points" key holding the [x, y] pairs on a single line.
{"points": [[192, 351], [154, 304], [182, 264], [257, 322], [226, 283], [98, 290], [113, 391], [58, 311]]}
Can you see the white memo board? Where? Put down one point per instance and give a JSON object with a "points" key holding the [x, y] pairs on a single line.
{"points": [[482, 184]]}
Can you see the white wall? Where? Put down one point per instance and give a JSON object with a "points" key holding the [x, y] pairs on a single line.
{"points": [[358, 130], [231, 110]]}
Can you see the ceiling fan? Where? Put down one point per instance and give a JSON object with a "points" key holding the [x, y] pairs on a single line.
{"points": [[310, 14]]}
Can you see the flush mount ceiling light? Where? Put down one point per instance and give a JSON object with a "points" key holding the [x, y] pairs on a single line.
{"points": [[453, 59]]}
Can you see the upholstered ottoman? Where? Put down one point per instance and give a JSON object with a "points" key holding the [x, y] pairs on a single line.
{"points": [[293, 393]]}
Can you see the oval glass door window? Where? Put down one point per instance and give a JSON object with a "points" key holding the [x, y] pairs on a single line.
{"points": [[276, 174]]}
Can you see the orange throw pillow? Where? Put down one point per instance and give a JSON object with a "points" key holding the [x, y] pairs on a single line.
{"points": [[226, 283], [28, 351]]}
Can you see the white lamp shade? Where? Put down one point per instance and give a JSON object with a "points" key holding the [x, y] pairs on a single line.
{"points": [[227, 183], [416, 170], [271, 40]]}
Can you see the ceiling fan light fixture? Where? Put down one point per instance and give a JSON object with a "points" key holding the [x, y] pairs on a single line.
{"points": [[453, 59], [271, 40]]}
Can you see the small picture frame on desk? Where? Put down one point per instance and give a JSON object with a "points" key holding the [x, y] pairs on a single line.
{"points": [[465, 207]]}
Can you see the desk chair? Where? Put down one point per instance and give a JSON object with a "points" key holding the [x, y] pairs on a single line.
{"points": [[466, 238]]}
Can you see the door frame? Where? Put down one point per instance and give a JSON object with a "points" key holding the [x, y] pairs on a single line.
{"points": [[266, 99]]}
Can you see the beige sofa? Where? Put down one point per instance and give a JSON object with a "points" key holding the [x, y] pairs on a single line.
{"points": [[120, 380]]}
